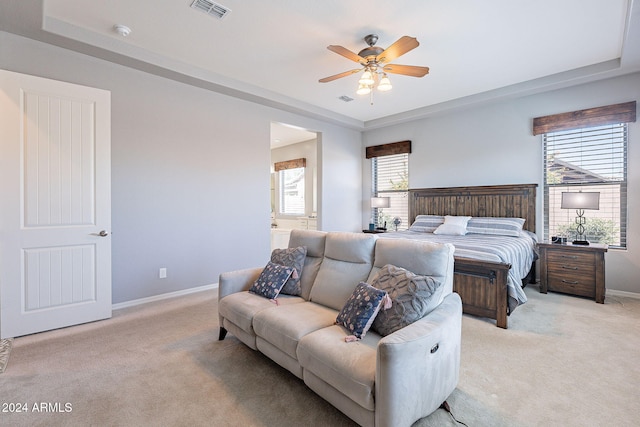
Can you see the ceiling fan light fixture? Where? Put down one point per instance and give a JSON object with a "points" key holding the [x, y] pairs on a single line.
{"points": [[385, 83], [367, 78], [363, 89], [375, 60]]}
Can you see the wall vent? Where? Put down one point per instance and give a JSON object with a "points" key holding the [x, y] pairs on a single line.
{"points": [[345, 98], [211, 8]]}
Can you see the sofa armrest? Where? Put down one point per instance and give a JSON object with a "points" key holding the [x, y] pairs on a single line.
{"points": [[237, 281], [418, 366]]}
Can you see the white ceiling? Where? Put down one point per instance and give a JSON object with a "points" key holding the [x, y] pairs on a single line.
{"points": [[274, 52]]}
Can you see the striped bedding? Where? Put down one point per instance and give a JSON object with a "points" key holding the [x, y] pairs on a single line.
{"points": [[517, 251]]}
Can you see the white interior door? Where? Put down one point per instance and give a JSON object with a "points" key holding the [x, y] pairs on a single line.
{"points": [[55, 209]]}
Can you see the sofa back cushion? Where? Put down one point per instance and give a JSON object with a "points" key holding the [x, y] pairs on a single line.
{"points": [[314, 241], [348, 258], [419, 257]]}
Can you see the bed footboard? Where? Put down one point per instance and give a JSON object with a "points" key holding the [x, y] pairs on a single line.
{"points": [[482, 286]]}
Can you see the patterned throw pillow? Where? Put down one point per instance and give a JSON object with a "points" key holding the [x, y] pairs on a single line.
{"points": [[271, 280], [360, 309], [426, 223], [412, 296], [291, 257], [498, 226]]}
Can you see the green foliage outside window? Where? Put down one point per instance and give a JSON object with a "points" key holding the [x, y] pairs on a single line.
{"points": [[402, 181], [596, 230]]}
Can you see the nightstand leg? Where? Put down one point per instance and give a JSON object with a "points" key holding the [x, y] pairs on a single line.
{"points": [[600, 285], [543, 275]]}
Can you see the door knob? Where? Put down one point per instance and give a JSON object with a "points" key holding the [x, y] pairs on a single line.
{"points": [[103, 233]]}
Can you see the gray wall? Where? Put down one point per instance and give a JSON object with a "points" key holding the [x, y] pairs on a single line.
{"points": [[190, 172], [493, 144], [190, 178]]}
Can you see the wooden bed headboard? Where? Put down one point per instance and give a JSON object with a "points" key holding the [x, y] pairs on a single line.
{"points": [[513, 201]]}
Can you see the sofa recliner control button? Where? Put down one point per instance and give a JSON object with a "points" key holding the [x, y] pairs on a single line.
{"points": [[435, 348]]}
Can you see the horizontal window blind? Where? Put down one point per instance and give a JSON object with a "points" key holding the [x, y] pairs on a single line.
{"points": [[291, 185], [592, 159], [391, 179]]}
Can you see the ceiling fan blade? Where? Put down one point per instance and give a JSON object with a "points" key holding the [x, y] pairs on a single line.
{"points": [[345, 52], [407, 70], [339, 76], [403, 45]]}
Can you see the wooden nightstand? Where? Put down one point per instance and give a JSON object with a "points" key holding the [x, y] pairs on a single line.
{"points": [[573, 269]]}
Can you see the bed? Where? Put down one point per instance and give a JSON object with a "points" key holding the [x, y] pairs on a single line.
{"points": [[490, 284]]}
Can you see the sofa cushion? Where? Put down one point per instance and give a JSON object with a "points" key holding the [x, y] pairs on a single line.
{"points": [[412, 296], [240, 307], [284, 325], [294, 258], [314, 241], [419, 257], [360, 309], [271, 280], [348, 367], [348, 258]]}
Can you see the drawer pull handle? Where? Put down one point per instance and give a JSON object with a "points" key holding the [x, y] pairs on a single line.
{"points": [[569, 256], [570, 282], [568, 267]]}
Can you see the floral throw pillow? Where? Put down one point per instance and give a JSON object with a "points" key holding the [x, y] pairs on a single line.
{"points": [[360, 309], [291, 257], [271, 280], [412, 296]]}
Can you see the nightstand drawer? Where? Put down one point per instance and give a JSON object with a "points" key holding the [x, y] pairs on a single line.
{"points": [[573, 258], [572, 268], [583, 285]]}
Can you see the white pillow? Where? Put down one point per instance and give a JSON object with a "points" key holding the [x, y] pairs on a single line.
{"points": [[453, 225]]}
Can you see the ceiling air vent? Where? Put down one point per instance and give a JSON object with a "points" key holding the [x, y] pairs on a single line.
{"points": [[345, 98], [211, 8]]}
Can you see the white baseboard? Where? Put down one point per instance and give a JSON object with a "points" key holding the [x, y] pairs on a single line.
{"points": [[613, 292], [163, 296]]}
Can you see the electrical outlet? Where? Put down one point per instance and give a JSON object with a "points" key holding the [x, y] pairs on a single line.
{"points": [[162, 274]]}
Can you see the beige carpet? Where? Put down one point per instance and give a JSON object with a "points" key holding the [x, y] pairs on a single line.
{"points": [[565, 361], [5, 351]]}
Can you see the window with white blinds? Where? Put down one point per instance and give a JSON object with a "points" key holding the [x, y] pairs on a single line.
{"points": [[291, 186], [390, 178], [591, 159]]}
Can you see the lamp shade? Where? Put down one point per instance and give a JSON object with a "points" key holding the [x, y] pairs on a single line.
{"points": [[580, 200], [385, 83], [367, 78], [363, 89], [380, 202]]}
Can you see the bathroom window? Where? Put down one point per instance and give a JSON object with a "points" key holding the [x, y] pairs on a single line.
{"points": [[291, 185], [292, 191]]}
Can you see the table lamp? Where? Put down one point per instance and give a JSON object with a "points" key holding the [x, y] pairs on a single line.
{"points": [[380, 203], [580, 201]]}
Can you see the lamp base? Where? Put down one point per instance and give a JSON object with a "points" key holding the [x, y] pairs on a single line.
{"points": [[581, 242]]}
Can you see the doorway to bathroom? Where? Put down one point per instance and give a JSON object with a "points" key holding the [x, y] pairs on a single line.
{"points": [[294, 181]]}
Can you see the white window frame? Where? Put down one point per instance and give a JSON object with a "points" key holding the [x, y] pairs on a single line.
{"points": [[291, 200], [383, 184], [587, 159]]}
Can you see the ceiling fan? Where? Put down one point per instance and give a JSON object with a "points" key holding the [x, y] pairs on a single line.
{"points": [[375, 63]]}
